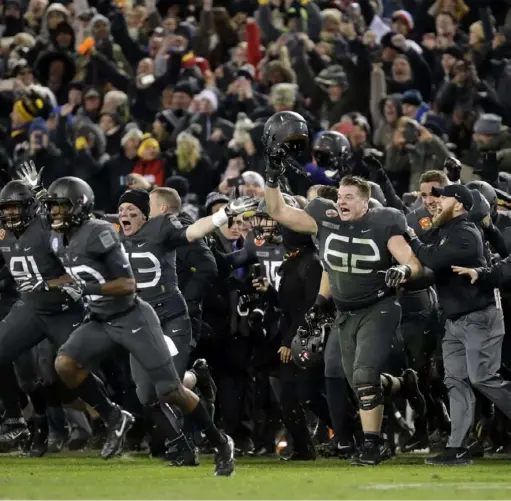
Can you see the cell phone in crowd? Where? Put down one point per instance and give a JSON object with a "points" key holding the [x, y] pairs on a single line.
{"points": [[235, 182]]}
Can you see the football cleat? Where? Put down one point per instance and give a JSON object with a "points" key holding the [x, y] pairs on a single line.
{"points": [[224, 458], [368, 455], [451, 456], [117, 431], [39, 445], [14, 430]]}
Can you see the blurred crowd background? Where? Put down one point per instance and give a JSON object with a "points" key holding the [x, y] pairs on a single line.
{"points": [[176, 93]]}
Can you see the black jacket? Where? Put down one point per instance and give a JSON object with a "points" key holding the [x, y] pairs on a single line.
{"points": [[459, 243], [196, 270]]}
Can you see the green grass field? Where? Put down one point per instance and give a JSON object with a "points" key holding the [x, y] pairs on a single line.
{"points": [[84, 476]]}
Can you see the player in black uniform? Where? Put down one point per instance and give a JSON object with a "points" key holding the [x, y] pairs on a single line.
{"points": [[101, 273], [44, 310], [357, 247]]}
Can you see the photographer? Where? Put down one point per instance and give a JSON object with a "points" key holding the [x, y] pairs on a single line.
{"points": [[415, 150]]}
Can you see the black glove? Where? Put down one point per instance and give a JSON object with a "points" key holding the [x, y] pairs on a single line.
{"points": [[452, 167], [397, 274], [33, 285], [321, 307], [275, 169], [375, 168]]}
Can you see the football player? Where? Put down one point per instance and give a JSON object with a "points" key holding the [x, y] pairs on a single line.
{"points": [[357, 247], [101, 273], [45, 310]]}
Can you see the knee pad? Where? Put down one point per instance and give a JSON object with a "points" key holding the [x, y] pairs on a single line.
{"points": [[369, 397]]}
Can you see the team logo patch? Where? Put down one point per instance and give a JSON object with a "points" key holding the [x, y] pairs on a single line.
{"points": [[55, 244], [2, 234], [117, 227], [425, 223], [331, 213], [259, 242]]}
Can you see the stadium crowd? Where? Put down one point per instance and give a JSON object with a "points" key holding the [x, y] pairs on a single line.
{"points": [[207, 110]]}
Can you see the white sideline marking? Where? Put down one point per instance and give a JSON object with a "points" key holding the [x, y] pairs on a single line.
{"points": [[441, 485]]}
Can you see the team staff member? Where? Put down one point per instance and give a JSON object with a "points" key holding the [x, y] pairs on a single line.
{"points": [[474, 325]]}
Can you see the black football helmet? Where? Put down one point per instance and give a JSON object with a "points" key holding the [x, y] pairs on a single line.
{"points": [[285, 133], [308, 345], [18, 205], [487, 191], [332, 151], [264, 227], [480, 208], [377, 193], [74, 199]]}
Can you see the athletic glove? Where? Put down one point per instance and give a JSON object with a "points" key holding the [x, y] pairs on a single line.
{"points": [[33, 285], [275, 169], [452, 167], [397, 274], [73, 290], [245, 206], [29, 175]]}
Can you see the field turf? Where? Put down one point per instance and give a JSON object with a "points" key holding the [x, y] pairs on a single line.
{"points": [[85, 476]]}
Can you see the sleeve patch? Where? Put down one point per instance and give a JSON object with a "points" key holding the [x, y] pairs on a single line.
{"points": [[107, 240]]}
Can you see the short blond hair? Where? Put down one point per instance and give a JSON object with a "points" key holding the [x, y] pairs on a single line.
{"points": [[170, 197]]}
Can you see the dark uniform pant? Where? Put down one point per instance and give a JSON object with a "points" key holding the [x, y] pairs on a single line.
{"points": [[472, 348], [179, 330], [139, 331], [23, 329], [366, 336]]}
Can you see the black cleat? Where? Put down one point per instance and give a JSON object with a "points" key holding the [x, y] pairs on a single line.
{"points": [[417, 442], [308, 454], [56, 442], [368, 455], [39, 445], [451, 456], [78, 439], [187, 457], [412, 392], [117, 431], [224, 459], [14, 430], [386, 450], [205, 384]]}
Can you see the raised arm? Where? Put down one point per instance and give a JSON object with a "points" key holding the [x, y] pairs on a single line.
{"points": [[294, 219]]}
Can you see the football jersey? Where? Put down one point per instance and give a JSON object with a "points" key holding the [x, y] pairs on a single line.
{"points": [[421, 222], [30, 257], [355, 253], [268, 255], [152, 254], [93, 254]]}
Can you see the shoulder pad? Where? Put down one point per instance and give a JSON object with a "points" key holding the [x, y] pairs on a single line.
{"points": [[321, 208]]}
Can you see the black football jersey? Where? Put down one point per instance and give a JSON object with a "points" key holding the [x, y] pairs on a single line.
{"points": [[421, 222], [355, 253], [268, 255], [93, 254], [31, 257], [152, 254]]}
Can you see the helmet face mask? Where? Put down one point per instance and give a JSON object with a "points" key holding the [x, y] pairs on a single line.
{"points": [[69, 203], [309, 343], [18, 206], [267, 229], [60, 212]]}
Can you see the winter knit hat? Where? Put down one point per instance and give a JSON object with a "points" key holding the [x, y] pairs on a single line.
{"points": [[139, 198], [148, 141]]}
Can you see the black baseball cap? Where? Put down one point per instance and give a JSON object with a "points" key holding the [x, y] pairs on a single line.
{"points": [[461, 193]]}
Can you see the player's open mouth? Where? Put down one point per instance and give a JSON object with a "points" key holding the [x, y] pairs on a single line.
{"points": [[344, 212], [126, 224]]}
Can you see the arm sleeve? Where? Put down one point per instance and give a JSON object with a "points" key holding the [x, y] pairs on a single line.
{"points": [[496, 240], [174, 233], [104, 244], [497, 275], [203, 269], [457, 247]]}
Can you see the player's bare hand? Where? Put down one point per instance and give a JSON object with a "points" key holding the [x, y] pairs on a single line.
{"points": [[285, 354], [470, 272], [261, 284], [138, 181]]}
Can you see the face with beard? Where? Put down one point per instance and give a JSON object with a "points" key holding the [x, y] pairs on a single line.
{"points": [[447, 208]]}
